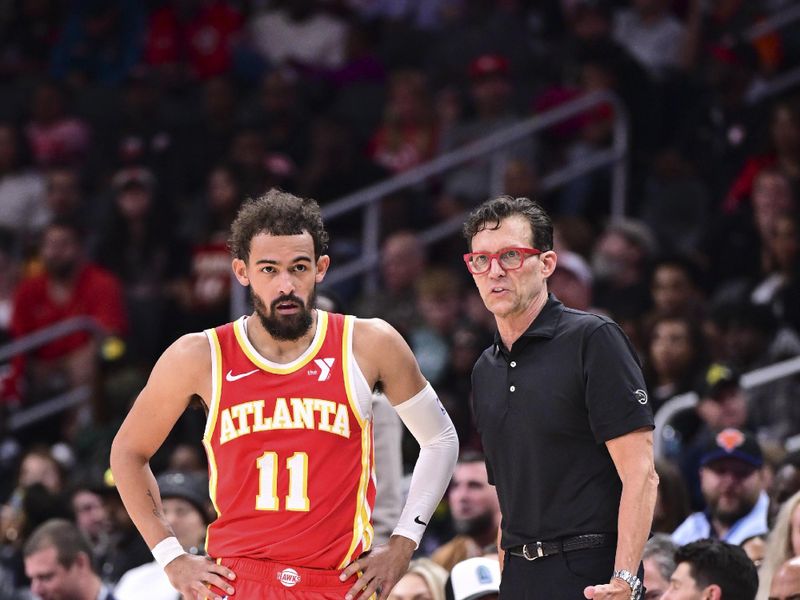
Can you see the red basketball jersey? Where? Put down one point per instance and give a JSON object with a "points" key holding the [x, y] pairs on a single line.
{"points": [[289, 450]]}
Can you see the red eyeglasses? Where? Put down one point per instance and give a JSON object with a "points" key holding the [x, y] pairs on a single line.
{"points": [[508, 258]]}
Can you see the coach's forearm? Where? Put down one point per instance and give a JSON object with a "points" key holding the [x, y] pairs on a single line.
{"points": [[636, 507], [139, 492]]}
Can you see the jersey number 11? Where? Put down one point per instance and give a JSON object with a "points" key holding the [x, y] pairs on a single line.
{"points": [[297, 498]]}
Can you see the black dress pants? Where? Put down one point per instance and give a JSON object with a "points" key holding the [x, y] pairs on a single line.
{"points": [[558, 577]]}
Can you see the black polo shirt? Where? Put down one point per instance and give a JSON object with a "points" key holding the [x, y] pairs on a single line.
{"points": [[545, 409]]}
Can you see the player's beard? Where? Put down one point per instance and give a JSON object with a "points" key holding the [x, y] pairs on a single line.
{"points": [[285, 328], [476, 526]]}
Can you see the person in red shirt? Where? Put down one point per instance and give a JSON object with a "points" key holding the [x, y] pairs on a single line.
{"points": [[69, 286]]}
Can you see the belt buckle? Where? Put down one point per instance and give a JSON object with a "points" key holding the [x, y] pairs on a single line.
{"points": [[539, 552]]}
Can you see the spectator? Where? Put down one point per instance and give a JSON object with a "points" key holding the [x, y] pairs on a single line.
{"points": [[659, 565], [438, 300], [88, 503], [58, 563], [336, 167], [408, 135], [64, 196], [675, 288], [785, 154], [712, 569], [403, 259], [491, 89], [192, 40], [22, 209], [474, 578], [138, 246], [785, 482], [672, 502], [69, 286], [786, 583], [783, 543], [55, 135], [424, 580], [298, 32], [100, 42], [572, 281], [675, 355], [732, 482], [620, 261], [721, 404], [474, 509], [187, 510], [652, 35]]}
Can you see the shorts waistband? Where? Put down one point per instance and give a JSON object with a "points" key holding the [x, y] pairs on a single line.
{"points": [[279, 574]]}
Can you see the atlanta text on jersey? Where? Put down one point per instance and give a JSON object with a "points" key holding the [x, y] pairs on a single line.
{"points": [[298, 413]]}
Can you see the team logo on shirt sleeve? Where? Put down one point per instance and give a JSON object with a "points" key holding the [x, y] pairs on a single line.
{"points": [[641, 396]]}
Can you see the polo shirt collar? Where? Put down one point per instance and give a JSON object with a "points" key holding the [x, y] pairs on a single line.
{"points": [[544, 325]]}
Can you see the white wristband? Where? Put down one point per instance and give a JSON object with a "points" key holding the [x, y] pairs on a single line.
{"points": [[167, 550]]}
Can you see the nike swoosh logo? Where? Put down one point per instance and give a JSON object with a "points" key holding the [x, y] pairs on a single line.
{"points": [[420, 521], [231, 377]]}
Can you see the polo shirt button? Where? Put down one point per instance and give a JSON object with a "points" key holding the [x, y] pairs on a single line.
{"points": [[513, 388], [513, 364]]}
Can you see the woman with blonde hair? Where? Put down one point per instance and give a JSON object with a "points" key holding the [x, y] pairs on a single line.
{"points": [[783, 543], [424, 580]]}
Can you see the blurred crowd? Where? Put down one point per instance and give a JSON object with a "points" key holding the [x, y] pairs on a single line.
{"points": [[131, 131]]}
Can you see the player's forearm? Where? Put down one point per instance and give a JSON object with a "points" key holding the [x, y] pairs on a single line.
{"points": [[139, 492], [636, 507]]}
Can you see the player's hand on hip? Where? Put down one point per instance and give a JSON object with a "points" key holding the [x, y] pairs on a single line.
{"points": [[380, 569], [615, 590], [193, 575]]}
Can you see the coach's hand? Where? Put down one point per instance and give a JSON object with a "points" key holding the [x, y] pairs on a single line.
{"points": [[616, 590], [191, 576], [380, 569]]}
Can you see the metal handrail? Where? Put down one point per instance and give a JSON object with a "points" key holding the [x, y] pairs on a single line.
{"points": [[747, 381], [24, 417], [369, 198], [42, 336]]}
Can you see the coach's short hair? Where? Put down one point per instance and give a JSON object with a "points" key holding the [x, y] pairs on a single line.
{"points": [[62, 535], [713, 562], [489, 214]]}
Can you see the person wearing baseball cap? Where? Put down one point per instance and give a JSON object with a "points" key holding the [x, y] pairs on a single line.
{"points": [[474, 578], [184, 497], [733, 487]]}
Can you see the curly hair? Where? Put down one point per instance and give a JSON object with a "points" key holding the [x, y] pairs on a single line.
{"points": [[489, 214], [277, 213]]}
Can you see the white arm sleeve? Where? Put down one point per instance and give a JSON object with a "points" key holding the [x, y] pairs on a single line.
{"points": [[431, 426]]}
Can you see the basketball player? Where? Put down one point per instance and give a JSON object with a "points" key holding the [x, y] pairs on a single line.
{"points": [[289, 432]]}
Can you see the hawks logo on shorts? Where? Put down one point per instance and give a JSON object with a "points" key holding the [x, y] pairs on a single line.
{"points": [[290, 455]]}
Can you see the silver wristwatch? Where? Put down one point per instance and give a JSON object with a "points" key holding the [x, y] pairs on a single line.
{"points": [[632, 580]]}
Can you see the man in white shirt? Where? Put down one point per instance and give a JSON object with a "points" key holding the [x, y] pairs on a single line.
{"points": [[186, 507]]}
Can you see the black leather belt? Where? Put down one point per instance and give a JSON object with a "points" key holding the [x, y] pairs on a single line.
{"points": [[534, 550]]}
